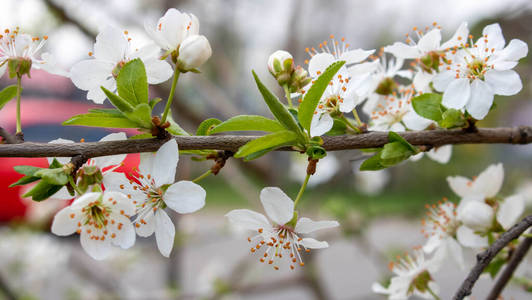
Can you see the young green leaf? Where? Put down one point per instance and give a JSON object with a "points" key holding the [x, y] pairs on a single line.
{"points": [[339, 128], [101, 120], [373, 163], [394, 153], [141, 136], [42, 191], [25, 180], [132, 82], [248, 123], [272, 140], [174, 128], [154, 102], [206, 126], [313, 95], [8, 93], [26, 170], [118, 101], [394, 137], [452, 118], [55, 176], [428, 106], [141, 115], [278, 109]]}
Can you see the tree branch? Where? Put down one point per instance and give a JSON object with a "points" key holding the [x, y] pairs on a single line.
{"points": [[10, 138], [484, 258], [508, 272], [434, 138]]}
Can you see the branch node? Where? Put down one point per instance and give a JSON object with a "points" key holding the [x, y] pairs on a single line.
{"points": [[219, 160], [311, 167]]}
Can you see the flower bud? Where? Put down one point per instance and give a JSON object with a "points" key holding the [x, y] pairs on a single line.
{"points": [[299, 79], [281, 66], [89, 175], [476, 215], [19, 67], [193, 52]]}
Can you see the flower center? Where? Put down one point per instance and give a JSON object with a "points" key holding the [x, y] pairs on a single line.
{"points": [[386, 86]]}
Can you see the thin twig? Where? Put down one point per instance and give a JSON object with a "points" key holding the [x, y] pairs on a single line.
{"points": [[484, 258], [516, 135], [508, 272], [9, 138]]}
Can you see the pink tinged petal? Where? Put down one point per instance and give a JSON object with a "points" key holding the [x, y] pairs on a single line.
{"points": [[457, 94], [354, 56], [66, 221], [111, 160], [165, 163], [125, 234], [489, 182], [510, 210], [321, 124], [111, 45], [402, 50], [318, 63], [306, 225], [248, 219], [145, 230], [311, 243], [62, 160], [441, 154], [468, 238], [158, 71], [505, 83], [96, 249], [495, 37], [460, 185], [185, 197], [442, 80], [278, 206], [481, 99], [430, 41], [91, 73], [164, 232], [458, 38]]}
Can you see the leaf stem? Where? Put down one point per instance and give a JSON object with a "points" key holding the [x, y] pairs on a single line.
{"points": [[171, 95], [74, 185], [301, 190], [355, 114], [287, 95], [19, 90], [202, 176], [349, 124]]}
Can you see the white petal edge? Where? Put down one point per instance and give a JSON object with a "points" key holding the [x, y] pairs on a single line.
{"points": [[185, 197], [306, 225], [277, 205]]}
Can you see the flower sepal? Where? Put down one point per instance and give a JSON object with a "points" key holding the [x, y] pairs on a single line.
{"points": [[19, 67]]}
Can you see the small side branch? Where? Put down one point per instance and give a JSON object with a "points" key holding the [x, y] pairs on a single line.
{"points": [[10, 138], [484, 258]]}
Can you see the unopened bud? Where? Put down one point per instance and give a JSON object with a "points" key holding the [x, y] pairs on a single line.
{"points": [[299, 79], [193, 52], [18, 67], [281, 66], [89, 175], [476, 215]]}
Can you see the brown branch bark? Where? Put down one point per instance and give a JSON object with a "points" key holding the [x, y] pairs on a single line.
{"points": [[516, 135], [484, 258], [508, 272]]}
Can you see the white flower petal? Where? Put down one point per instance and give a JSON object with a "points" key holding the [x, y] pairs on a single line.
{"points": [[458, 37], [311, 243], [476, 215], [111, 45], [457, 94], [96, 249], [430, 41], [164, 232], [278, 206], [505, 83], [414, 121], [441, 154], [84, 200], [460, 185], [481, 99], [66, 221], [489, 182], [515, 50], [495, 37], [456, 252], [468, 238], [165, 163], [432, 244], [145, 230], [91, 73], [318, 63], [62, 194], [441, 81], [510, 210], [321, 124], [158, 71], [356, 55], [306, 225], [97, 95], [125, 234], [124, 205], [172, 26], [248, 219], [185, 197], [402, 50], [422, 80]]}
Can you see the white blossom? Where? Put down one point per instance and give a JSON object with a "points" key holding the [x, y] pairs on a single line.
{"points": [[194, 52], [440, 154], [172, 29]]}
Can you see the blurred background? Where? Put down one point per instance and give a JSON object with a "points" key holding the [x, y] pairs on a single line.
{"points": [[380, 212]]}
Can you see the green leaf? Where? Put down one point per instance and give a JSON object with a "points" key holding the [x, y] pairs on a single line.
{"points": [[272, 140], [206, 126], [101, 120], [8, 93], [142, 136], [394, 153], [394, 137], [26, 170], [452, 118], [107, 111], [141, 115], [42, 191], [428, 106], [132, 83], [339, 128], [55, 164], [258, 154], [25, 180], [154, 102], [278, 109], [174, 128], [55, 176], [373, 163], [313, 95], [246, 123], [118, 101]]}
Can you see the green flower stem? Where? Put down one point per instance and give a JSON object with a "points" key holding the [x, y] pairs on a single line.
{"points": [[287, 95], [74, 185], [202, 176], [355, 114], [19, 90], [350, 125], [301, 190], [431, 292], [171, 96]]}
